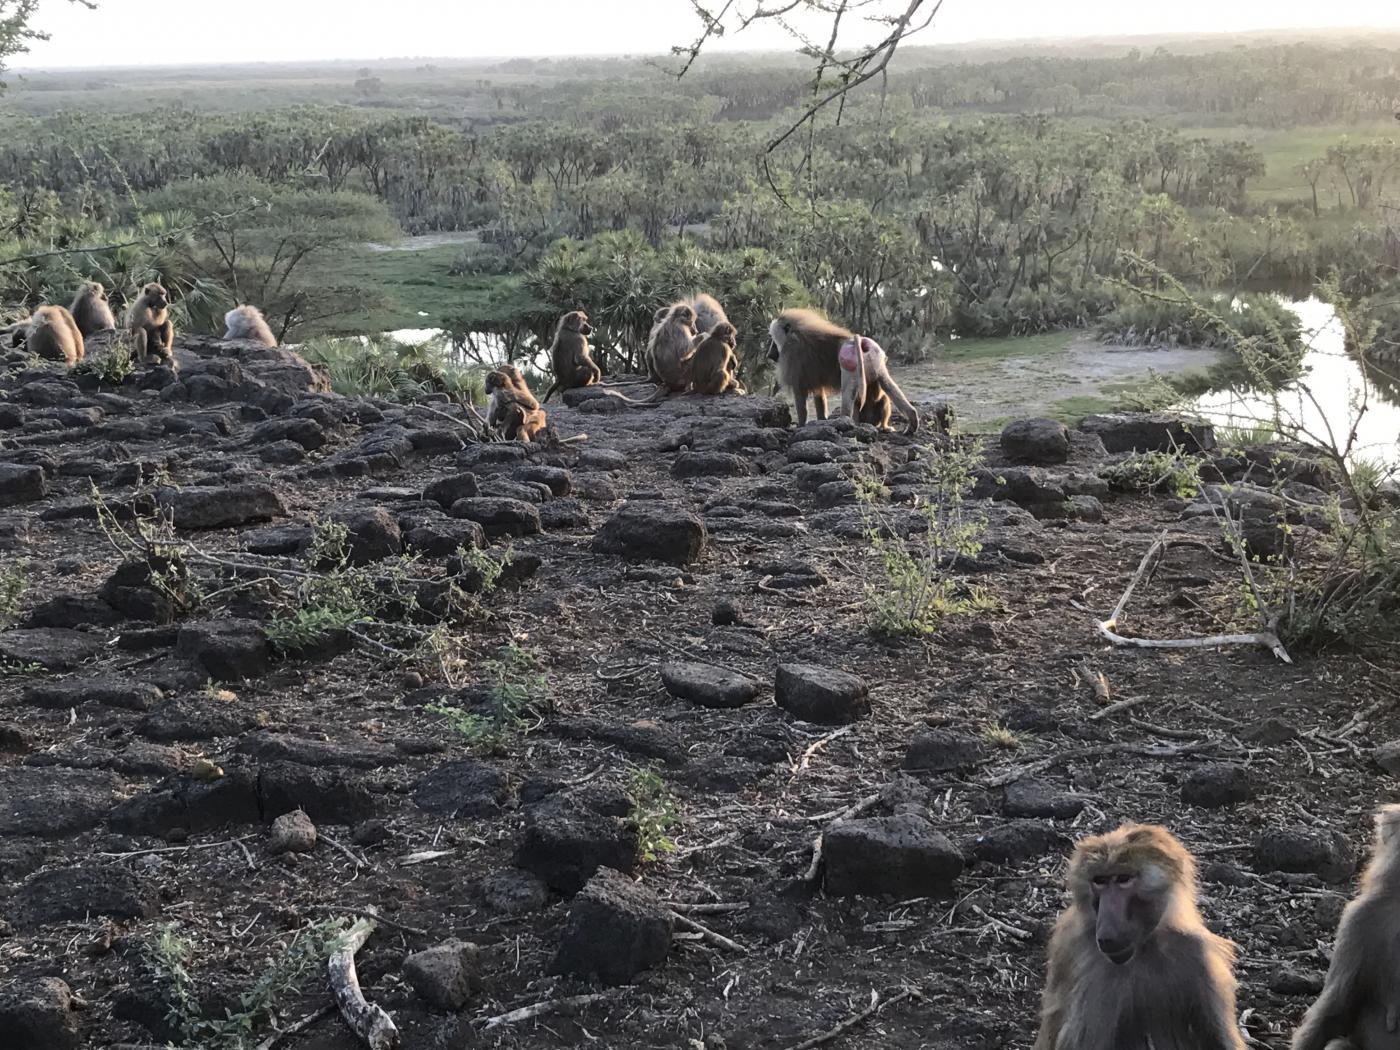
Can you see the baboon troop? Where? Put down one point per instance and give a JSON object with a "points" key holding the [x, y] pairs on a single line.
{"points": [[573, 364], [512, 408], [148, 321], [1131, 964], [247, 322], [53, 335], [91, 310]]}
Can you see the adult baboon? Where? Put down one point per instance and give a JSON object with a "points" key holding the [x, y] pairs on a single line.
{"points": [[713, 366], [148, 320], [672, 343], [90, 309], [1131, 965], [573, 364], [247, 322], [1359, 1008], [867, 388], [53, 334], [708, 312], [513, 408]]}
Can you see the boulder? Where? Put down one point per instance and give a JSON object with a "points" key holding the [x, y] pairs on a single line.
{"points": [[220, 507], [707, 685], [1150, 432], [823, 695], [646, 531], [901, 856], [616, 929], [38, 1014], [1038, 441], [498, 515], [445, 976]]}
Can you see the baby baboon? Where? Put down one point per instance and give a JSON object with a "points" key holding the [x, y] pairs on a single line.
{"points": [[1130, 962], [867, 388], [1359, 1008], [672, 343], [513, 408], [90, 309], [54, 335], [713, 366], [573, 364], [247, 322], [148, 320]]}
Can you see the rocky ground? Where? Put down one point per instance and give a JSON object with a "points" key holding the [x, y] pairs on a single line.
{"points": [[185, 805]]}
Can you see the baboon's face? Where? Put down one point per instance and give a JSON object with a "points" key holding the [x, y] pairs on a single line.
{"points": [[156, 297], [778, 335], [97, 291], [578, 322], [495, 381], [685, 315], [726, 333]]}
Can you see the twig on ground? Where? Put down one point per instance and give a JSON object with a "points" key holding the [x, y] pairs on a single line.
{"points": [[876, 1005], [1121, 705], [709, 935], [549, 1006], [350, 855], [296, 1027], [374, 1027], [816, 746], [344, 909]]}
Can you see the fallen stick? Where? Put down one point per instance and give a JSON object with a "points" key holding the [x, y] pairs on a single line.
{"points": [[375, 1028], [346, 851], [876, 1005], [1114, 708], [296, 1026], [707, 934], [817, 746], [549, 1006]]}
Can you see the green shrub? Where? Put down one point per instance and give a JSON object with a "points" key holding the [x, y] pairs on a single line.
{"points": [[1155, 472], [380, 366], [653, 813]]}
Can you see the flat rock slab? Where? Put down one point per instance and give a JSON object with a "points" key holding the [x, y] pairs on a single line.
{"points": [[1150, 432], [942, 751], [220, 507], [227, 650], [465, 788], [646, 531], [901, 856], [1017, 841], [52, 648], [81, 892], [499, 515], [707, 685], [109, 691], [823, 695], [54, 801], [267, 746]]}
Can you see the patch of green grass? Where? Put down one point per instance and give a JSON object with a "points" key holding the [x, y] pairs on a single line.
{"points": [[1073, 409], [1000, 348], [1284, 149]]}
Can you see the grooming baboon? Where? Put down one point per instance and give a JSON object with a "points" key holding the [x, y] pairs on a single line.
{"points": [[867, 388], [53, 334], [247, 322], [1359, 1008], [1131, 965], [708, 312], [148, 320], [713, 366], [672, 343], [513, 408], [90, 309], [573, 364]]}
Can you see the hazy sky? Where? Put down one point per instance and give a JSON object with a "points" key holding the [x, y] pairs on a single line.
{"points": [[185, 31]]}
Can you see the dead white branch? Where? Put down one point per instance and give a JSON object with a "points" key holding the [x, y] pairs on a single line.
{"points": [[375, 1028]]}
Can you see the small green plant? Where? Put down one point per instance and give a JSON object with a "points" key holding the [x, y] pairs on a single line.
{"points": [[516, 691], [1246, 436], [18, 669], [1155, 472], [653, 813], [916, 589], [997, 735], [14, 585], [113, 368]]}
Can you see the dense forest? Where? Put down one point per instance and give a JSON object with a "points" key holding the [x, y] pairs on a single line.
{"points": [[964, 193]]}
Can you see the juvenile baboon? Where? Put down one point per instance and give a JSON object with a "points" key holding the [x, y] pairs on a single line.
{"points": [[513, 408], [54, 335], [1359, 1008], [247, 322], [1131, 965], [672, 343], [867, 388], [90, 309], [148, 320], [573, 364], [713, 366]]}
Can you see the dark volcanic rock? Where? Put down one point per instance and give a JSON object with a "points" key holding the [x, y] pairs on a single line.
{"points": [[513, 892], [1150, 432], [1035, 798], [465, 788], [227, 650], [707, 685], [558, 480], [305, 432], [615, 930], [439, 539], [566, 840], [21, 484], [372, 534], [88, 890], [1217, 785], [1036, 441], [1324, 853], [329, 796], [50, 801], [942, 751], [216, 507], [72, 610], [645, 531], [52, 648], [900, 856], [499, 516], [38, 1014], [706, 464], [1017, 841], [821, 694], [191, 805], [177, 720], [268, 746], [110, 691], [445, 976]]}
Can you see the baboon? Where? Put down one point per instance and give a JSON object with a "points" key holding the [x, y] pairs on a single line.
{"points": [[1359, 1008], [1131, 965], [713, 366], [672, 343], [573, 364], [53, 334], [513, 408], [708, 312], [90, 309], [148, 320], [807, 349], [867, 388], [247, 322]]}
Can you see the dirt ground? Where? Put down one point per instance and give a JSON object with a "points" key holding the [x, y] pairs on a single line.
{"points": [[781, 579]]}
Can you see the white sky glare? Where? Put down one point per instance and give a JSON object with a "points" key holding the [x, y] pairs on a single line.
{"points": [[181, 32]]}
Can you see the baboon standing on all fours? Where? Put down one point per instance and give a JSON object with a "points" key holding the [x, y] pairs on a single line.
{"points": [[1131, 965], [90, 309], [53, 335], [1359, 1008], [148, 321], [573, 364]]}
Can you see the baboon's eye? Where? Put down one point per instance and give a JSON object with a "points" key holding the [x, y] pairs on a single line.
{"points": [[1100, 880]]}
